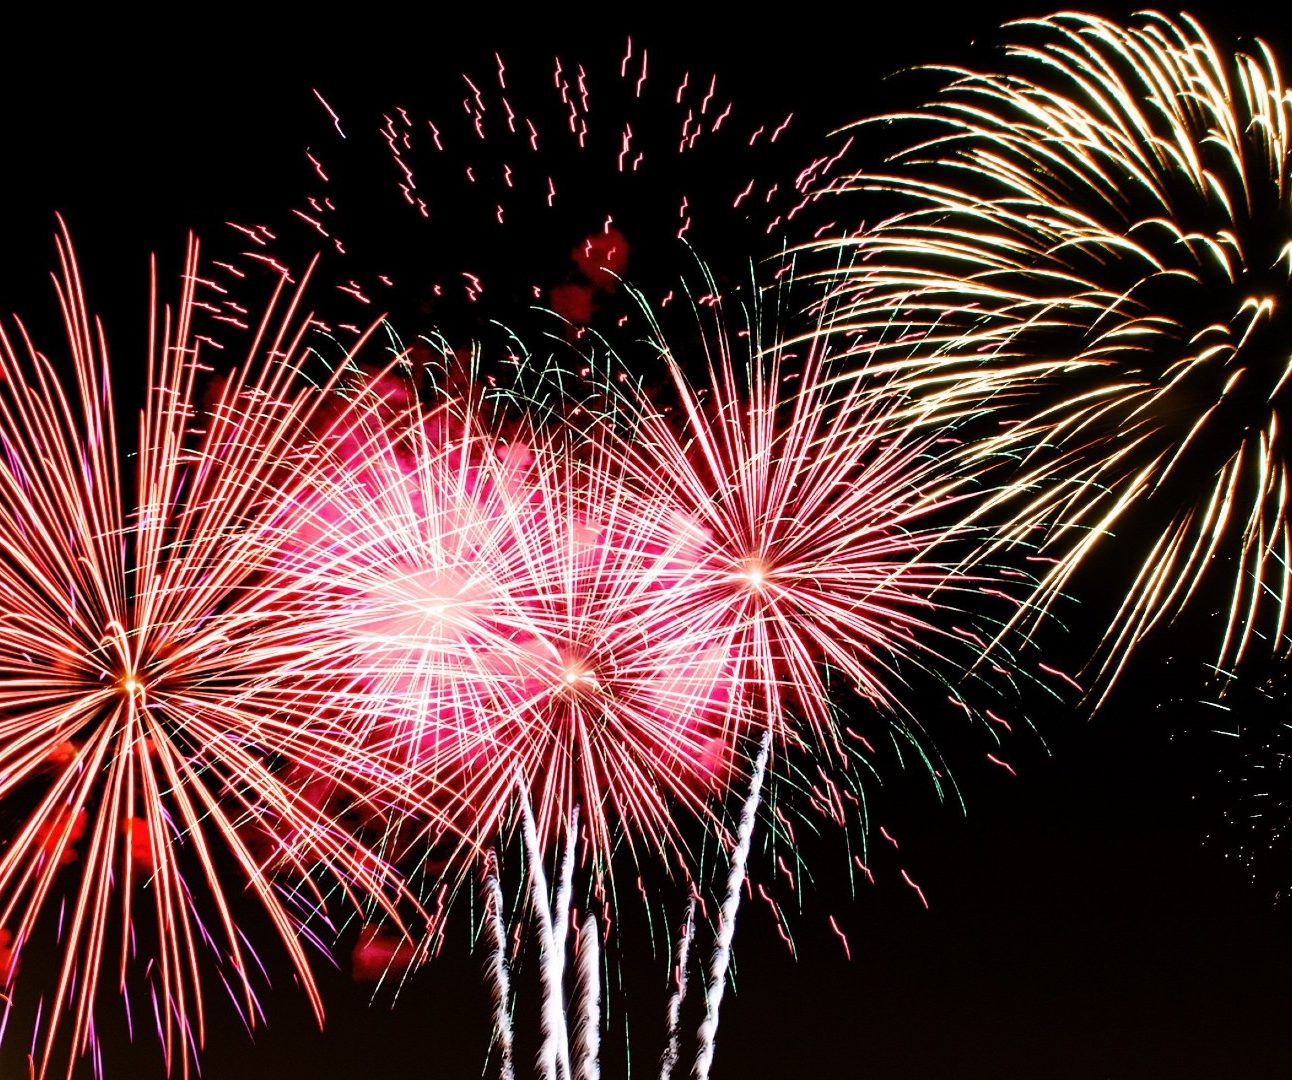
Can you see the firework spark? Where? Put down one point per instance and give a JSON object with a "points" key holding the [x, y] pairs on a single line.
{"points": [[1094, 258], [599, 160], [1238, 750], [150, 776]]}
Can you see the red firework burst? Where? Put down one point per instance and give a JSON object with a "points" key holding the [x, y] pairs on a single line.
{"points": [[609, 604], [151, 773]]}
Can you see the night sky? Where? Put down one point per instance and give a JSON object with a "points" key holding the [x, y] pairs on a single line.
{"points": [[1088, 919]]}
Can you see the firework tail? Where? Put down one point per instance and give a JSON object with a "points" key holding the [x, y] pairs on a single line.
{"points": [[564, 889], [674, 1014], [727, 917], [587, 1048], [499, 977], [554, 962], [555, 1050]]}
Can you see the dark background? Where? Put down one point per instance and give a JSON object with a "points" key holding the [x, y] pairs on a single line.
{"points": [[1089, 919]]}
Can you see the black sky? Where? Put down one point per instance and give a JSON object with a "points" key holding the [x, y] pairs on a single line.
{"points": [[1080, 925]]}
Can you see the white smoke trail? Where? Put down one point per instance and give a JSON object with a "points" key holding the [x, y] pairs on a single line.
{"points": [[587, 1048], [674, 1015], [561, 916], [498, 977], [727, 917], [555, 1049]]}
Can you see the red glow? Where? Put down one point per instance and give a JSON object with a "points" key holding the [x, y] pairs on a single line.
{"points": [[602, 258], [379, 954]]}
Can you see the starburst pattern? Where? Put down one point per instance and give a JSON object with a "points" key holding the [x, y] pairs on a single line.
{"points": [[557, 581], [152, 779], [818, 523]]}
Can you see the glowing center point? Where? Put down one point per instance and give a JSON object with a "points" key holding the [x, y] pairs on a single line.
{"points": [[575, 678], [755, 574], [132, 685]]}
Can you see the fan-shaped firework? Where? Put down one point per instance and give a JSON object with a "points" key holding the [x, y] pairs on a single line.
{"points": [[1095, 257], [150, 778]]}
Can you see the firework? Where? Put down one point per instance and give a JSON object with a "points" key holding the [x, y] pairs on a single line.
{"points": [[811, 526], [603, 592], [802, 534], [149, 778], [553, 591], [1092, 258], [611, 600], [488, 591]]}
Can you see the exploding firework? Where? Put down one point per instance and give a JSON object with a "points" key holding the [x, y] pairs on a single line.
{"points": [[1093, 259], [813, 524], [489, 592], [604, 611], [807, 536], [563, 595], [610, 598], [149, 780]]}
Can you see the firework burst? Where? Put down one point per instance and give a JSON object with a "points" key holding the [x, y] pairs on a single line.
{"points": [[489, 590], [810, 532], [811, 523], [564, 587], [1094, 258], [149, 775]]}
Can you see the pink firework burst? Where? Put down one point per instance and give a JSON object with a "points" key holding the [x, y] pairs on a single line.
{"points": [[152, 777], [816, 524], [488, 590]]}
